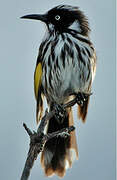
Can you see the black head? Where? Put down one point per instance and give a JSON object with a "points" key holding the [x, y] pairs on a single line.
{"points": [[64, 18]]}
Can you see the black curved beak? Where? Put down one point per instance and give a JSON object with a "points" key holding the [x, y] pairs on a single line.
{"points": [[41, 17]]}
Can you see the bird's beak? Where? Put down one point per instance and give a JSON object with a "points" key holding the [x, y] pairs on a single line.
{"points": [[41, 17]]}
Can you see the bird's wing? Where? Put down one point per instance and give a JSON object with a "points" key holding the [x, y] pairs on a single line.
{"points": [[38, 91]]}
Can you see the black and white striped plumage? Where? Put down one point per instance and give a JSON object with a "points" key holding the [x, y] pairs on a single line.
{"points": [[68, 61]]}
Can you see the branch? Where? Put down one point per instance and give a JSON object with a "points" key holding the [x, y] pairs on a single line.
{"points": [[38, 139]]}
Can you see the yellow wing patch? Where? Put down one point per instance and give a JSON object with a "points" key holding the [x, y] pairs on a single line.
{"points": [[37, 79]]}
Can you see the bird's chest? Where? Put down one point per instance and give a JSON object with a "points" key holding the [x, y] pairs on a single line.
{"points": [[57, 79], [63, 72]]}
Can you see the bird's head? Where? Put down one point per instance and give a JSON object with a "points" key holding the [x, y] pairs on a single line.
{"points": [[63, 18]]}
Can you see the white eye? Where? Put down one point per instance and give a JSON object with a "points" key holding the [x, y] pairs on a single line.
{"points": [[57, 17]]}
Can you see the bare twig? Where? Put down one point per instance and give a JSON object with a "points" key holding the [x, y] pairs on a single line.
{"points": [[36, 146], [38, 139]]}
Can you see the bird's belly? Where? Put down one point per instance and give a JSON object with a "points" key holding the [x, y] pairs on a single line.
{"points": [[60, 83]]}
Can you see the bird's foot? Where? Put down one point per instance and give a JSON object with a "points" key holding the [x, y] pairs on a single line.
{"points": [[82, 97], [60, 113], [64, 135]]}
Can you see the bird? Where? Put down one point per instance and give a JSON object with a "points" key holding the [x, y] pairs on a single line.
{"points": [[66, 66]]}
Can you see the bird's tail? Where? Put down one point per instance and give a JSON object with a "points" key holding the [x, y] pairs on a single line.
{"points": [[59, 152]]}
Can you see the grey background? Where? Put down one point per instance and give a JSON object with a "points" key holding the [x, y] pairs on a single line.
{"points": [[19, 42]]}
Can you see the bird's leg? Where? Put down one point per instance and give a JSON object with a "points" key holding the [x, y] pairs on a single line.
{"points": [[60, 113], [82, 97]]}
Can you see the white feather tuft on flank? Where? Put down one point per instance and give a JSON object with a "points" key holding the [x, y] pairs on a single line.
{"points": [[67, 164], [73, 155], [93, 67]]}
